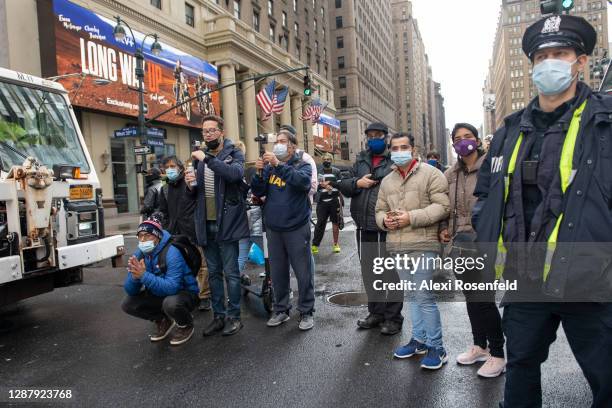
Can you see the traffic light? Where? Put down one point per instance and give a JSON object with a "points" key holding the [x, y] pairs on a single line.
{"points": [[307, 85], [556, 6]]}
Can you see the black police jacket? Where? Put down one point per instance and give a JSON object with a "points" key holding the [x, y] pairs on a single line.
{"points": [[363, 201], [582, 262]]}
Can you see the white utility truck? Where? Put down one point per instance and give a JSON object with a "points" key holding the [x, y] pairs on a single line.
{"points": [[51, 214]]}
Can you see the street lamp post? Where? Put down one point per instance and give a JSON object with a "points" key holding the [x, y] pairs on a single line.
{"points": [[120, 35]]}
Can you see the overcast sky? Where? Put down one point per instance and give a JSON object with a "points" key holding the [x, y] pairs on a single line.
{"points": [[458, 37]]}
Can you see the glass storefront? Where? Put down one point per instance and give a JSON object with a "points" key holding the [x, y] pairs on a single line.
{"points": [[125, 187]]}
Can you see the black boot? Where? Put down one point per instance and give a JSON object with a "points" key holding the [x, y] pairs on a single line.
{"points": [[216, 325], [232, 326], [390, 328], [370, 321]]}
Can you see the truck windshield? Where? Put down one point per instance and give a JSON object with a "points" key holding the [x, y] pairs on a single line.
{"points": [[37, 123]]}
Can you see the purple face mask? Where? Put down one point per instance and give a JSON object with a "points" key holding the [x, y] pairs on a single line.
{"points": [[465, 147]]}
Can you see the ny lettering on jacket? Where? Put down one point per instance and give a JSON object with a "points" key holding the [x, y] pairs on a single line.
{"points": [[277, 181]]}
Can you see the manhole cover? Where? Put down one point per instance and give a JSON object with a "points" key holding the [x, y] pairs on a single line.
{"points": [[348, 299]]}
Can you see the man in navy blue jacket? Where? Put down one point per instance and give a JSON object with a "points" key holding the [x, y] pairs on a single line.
{"points": [[165, 297], [284, 180], [220, 220]]}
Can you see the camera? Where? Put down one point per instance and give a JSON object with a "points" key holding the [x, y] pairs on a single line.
{"points": [[263, 139]]}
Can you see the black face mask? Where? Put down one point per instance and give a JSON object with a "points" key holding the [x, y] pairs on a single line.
{"points": [[213, 144], [327, 165]]}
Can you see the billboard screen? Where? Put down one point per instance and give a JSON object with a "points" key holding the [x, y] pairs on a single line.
{"points": [[326, 134], [84, 43]]}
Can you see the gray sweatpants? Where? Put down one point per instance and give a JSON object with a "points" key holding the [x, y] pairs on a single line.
{"points": [[291, 248]]}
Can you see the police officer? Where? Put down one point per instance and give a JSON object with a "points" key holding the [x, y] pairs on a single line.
{"points": [[545, 188], [372, 165]]}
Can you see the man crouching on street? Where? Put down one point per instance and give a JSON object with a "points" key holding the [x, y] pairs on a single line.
{"points": [[412, 201], [167, 298]]}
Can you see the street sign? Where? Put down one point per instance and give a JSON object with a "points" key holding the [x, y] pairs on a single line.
{"points": [[152, 141], [126, 132], [142, 150], [132, 131]]}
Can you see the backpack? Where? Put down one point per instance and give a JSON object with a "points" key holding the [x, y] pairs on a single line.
{"points": [[188, 250]]}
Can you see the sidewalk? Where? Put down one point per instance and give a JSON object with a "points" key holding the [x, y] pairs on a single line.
{"points": [[122, 224]]}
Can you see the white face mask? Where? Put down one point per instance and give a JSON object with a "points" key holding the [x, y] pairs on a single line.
{"points": [[280, 151], [553, 76]]}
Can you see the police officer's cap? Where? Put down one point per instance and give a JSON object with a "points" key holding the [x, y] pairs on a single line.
{"points": [[377, 126], [560, 31]]}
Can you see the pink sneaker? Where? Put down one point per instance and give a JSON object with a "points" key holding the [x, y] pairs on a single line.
{"points": [[493, 367], [473, 355]]}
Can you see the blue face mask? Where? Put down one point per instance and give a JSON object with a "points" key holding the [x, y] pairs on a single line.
{"points": [[172, 174], [146, 247], [401, 158], [280, 151], [376, 146], [432, 162], [553, 76]]}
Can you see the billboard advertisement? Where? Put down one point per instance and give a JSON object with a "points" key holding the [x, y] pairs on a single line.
{"points": [[84, 43], [326, 134]]}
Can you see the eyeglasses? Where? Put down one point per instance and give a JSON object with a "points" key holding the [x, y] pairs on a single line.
{"points": [[210, 131]]}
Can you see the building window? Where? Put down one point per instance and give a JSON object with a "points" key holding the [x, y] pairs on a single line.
{"points": [[298, 48], [189, 15], [315, 25], [284, 19], [296, 28], [295, 5], [272, 32], [338, 3], [156, 3], [237, 9], [270, 7], [339, 42], [343, 102], [308, 39], [339, 22], [342, 82], [325, 54], [340, 62], [318, 66], [285, 42], [256, 20], [322, 12], [316, 47], [343, 128]]}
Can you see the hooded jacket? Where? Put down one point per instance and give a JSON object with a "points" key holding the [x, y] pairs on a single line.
{"points": [[178, 208], [178, 276], [363, 201], [286, 187], [232, 222]]}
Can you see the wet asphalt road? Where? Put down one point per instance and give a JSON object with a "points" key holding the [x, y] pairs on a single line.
{"points": [[77, 338]]}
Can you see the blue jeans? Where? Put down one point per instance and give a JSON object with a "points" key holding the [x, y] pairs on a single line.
{"points": [[424, 313], [222, 260]]}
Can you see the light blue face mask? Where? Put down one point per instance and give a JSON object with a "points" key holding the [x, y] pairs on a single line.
{"points": [[172, 174], [146, 247], [401, 158], [553, 76], [280, 151]]}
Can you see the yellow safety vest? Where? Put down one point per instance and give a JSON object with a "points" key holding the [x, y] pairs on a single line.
{"points": [[567, 173]]}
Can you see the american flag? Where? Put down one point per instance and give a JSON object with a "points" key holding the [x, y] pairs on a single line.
{"points": [[313, 111], [266, 98], [279, 100]]}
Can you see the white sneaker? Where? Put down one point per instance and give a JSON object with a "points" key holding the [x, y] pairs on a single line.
{"points": [[473, 355], [493, 367]]}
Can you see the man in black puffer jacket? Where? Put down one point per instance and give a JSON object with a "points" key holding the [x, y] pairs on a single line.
{"points": [[372, 165]]}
